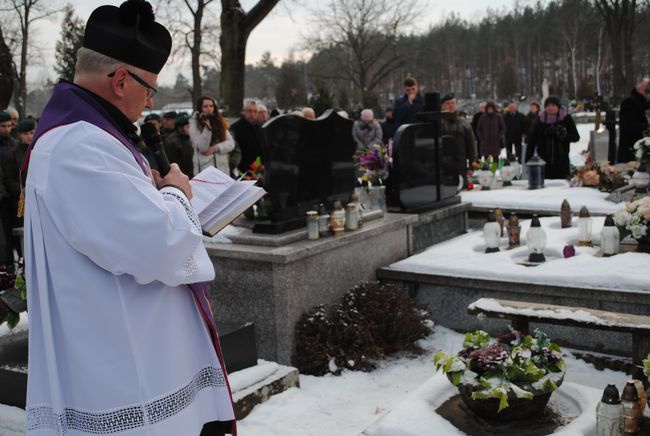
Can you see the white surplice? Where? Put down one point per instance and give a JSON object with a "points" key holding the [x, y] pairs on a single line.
{"points": [[116, 342]]}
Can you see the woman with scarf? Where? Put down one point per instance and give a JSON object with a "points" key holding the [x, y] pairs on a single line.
{"points": [[210, 136], [551, 135], [367, 130]]}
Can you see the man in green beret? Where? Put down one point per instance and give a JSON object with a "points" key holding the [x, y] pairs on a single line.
{"points": [[12, 181], [458, 127], [178, 145]]}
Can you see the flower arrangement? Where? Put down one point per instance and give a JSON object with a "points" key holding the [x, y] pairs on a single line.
{"points": [[646, 367], [512, 364], [633, 219], [13, 295], [642, 147], [373, 164], [604, 176], [255, 170]]}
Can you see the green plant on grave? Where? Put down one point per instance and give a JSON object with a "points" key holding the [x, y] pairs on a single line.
{"points": [[373, 320], [512, 363], [646, 367], [13, 296]]}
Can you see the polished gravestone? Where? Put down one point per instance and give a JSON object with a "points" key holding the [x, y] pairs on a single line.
{"points": [[426, 165], [307, 162]]}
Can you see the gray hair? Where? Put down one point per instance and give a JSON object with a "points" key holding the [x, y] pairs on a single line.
{"points": [[91, 62]]}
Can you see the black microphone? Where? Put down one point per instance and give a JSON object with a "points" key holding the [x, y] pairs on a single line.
{"points": [[152, 139]]}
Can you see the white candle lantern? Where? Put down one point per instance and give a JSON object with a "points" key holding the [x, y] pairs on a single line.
{"points": [[609, 237], [491, 234], [584, 228], [536, 241]]}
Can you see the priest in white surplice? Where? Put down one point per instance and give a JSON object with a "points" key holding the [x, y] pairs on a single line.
{"points": [[119, 342]]}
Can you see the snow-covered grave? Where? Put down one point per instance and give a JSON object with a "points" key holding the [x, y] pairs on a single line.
{"points": [[464, 257], [547, 200], [403, 390]]}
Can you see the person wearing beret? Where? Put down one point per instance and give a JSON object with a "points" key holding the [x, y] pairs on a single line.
{"points": [[168, 123], [13, 178], [155, 120], [458, 127], [178, 146], [122, 339], [551, 136]]}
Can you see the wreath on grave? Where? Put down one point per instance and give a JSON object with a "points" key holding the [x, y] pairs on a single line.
{"points": [[604, 177], [373, 164], [493, 373], [13, 295]]}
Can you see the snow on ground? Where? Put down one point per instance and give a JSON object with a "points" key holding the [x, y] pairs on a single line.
{"points": [[346, 405], [464, 256], [548, 199]]}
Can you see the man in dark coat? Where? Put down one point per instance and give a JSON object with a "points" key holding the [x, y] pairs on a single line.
{"points": [[551, 135], [408, 104], [633, 120], [475, 118], [388, 126], [13, 180], [458, 127], [248, 136], [515, 123], [178, 146]]}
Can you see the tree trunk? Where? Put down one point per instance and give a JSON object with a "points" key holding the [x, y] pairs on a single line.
{"points": [[197, 85], [236, 26], [21, 103], [6, 74]]}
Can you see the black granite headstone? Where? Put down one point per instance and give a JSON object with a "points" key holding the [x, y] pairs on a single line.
{"points": [[426, 166], [306, 162]]}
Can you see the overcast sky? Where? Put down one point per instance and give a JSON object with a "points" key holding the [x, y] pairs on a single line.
{"points": [[279, 33]]}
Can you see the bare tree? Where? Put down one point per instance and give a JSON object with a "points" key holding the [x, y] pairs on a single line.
{"points": [[6, 73], [196, 35], [621, 18], [362, 35], [27, 12], [236, 27], [574, 18]]}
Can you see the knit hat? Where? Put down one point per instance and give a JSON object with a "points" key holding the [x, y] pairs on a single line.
{"points": [[171, 115], [367, 115], [491, 104], [447, 96], [129, 34], [4, 117], [552, 99], [26, 125], [152, 116]]}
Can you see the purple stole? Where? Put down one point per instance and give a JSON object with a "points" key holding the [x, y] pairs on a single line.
{"points": [[71, 103]]}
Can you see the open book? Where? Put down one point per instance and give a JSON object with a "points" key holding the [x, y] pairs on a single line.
{"points": [[218, 199]]}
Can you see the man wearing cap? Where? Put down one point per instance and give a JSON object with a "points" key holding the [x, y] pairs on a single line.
{"points": [[168, 124], [633, 120], [457, 127], [121, 335], [13, 180], [178, 146]]}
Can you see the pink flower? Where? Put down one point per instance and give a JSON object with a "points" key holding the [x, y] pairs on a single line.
{"points": [[591, 178]]}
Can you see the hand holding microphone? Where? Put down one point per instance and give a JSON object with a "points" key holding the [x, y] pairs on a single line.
{"points": [[167, 175]]}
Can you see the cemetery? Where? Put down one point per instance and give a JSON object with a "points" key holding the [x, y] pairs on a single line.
{"points": [[319, 233]]}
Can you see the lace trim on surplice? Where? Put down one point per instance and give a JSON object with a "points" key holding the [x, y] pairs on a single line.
{"points": [[126, 418]]}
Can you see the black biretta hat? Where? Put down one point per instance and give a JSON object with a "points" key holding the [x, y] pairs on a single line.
{"points": [[129, 34]]}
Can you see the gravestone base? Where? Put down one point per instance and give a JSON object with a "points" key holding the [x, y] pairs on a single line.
{"points": [[446, 298], [274, 285], [438, 225], [433, 206]]}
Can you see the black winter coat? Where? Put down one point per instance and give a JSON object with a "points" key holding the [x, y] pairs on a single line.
{"points": [[179, 150], [553, 143], [633, 122], [249, 138], [515, 127]]}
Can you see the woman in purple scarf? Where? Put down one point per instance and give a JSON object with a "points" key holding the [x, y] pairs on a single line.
{"points": [[551, 134]]}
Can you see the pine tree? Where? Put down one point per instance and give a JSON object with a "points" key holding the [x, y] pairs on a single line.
{"points": [[72, 35]]}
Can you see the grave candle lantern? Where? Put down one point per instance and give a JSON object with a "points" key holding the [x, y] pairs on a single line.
{"points": [[535, 167], [565, 214], [491, 234], [609, 237], [584, 228], [536, 241], [514, 231]]}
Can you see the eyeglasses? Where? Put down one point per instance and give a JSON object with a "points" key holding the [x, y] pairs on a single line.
{"points": [[151, 91]]}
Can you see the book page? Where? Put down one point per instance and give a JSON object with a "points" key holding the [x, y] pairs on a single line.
{"points": [[208, 185]]}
